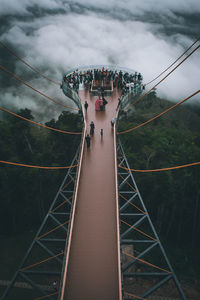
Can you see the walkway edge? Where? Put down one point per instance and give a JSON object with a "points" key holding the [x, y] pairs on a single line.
{"points": [[117, 216], [73, 215]]}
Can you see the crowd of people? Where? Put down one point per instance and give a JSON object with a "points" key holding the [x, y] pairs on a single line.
{"points": [[125, 81]]}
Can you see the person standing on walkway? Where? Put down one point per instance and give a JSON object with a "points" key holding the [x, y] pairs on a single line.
{"points": [[101, 133], [101, 104], [112, 122], [92, 126], [87, 138], [104, 103], [86, 106], [119, 103]]}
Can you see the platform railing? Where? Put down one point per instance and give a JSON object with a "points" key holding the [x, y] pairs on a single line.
{"points": [[94, 67], [126, 100], [72, 94]]}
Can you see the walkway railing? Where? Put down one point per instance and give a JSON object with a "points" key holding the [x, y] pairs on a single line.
{"points": [[126, 100], [93, 67], [70, 93]]}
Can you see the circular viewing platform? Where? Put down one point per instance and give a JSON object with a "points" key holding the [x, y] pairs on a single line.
{"points": [[101, 80]]}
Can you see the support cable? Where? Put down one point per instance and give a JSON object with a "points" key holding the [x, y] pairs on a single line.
{"points": [[146, 262], [39, 124], [143, 212], [52, 230], [164, 169], [128, 183], [42, 261], [141, 97], [43, 297], [173, 62], [66, 185], [32, 68], [159, 115], [140, 231], [36, 167], [44, 95], [61, 204], [134, 296]]}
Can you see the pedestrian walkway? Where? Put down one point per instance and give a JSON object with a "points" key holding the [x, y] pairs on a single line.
{"points": [[93, 271]]}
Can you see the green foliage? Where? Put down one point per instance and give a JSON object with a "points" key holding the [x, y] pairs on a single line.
{"points": [[27, 193], [172, 197]]}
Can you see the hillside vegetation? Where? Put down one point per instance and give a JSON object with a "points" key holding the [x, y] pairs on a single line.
{"points": [[172, 197], [26, 193]]}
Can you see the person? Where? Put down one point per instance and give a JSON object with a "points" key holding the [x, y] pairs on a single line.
{"points": [[101, 133], [92, 126], [112, 122], [97, 105], [119, 103], [101, 104], [104, 103], [86, 106], [55, 285], [87, 140]]}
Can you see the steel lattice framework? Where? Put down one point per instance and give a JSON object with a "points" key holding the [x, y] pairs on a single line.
{"points": [[40, 272], [145, 266]]}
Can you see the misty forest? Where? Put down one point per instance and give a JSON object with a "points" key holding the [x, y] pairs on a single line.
{"points": [[172, 197], [55, 36]]}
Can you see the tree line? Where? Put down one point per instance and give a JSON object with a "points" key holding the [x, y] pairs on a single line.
{"points": [[172, 197], [26, 193]]}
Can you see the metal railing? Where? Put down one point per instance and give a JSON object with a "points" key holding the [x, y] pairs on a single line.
{"points": [[126, 100], [72, 94], [94, 67], [131, 96]]}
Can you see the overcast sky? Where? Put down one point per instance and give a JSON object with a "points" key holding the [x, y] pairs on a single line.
{"points": [[55, 35]]}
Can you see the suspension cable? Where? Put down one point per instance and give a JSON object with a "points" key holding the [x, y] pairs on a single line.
{"points": [[140, 231], [164, 169], [159, 115], [36, 167], [52, 230], [146, 262], [47, 296], [141, 97], [61, 204], [134, 296], [25, 83], [39, 124], [42, 261], [128, 201], [173, 62], [35, 70], [128, 184]]}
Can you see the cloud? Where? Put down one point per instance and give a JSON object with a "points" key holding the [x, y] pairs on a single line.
{"points": [[12, 7], [138, 7], [56, 42]]}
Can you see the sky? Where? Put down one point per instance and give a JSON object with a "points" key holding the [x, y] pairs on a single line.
{"points": [[57, 35]]}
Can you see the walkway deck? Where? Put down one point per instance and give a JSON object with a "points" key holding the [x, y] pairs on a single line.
{"points": [[93, 268]]}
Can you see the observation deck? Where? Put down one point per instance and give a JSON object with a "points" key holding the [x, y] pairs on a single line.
{"points": [[92, 269]]}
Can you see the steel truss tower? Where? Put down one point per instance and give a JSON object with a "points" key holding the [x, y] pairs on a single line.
{"points": [[145, 266], [40, 272]]}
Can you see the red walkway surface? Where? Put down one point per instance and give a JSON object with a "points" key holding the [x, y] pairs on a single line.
{"points": [[92, 271]]}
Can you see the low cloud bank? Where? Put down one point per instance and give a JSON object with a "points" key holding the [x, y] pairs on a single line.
{"points": [[63, 38]]}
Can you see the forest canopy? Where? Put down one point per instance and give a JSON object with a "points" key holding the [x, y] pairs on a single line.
{"points": [[27, 193]]}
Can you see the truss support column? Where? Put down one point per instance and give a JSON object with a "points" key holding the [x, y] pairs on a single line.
{"points": [[19, 272], [145, 216]]}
